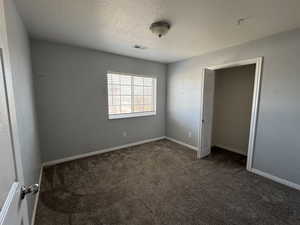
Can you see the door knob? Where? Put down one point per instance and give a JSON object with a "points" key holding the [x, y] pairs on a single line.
{"points": [[31, 189]]}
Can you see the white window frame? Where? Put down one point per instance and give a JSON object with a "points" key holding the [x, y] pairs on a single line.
{"points": [[132, 114]]}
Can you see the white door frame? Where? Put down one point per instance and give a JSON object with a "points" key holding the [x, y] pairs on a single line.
{"points": [[8, 75], [255, 102]]}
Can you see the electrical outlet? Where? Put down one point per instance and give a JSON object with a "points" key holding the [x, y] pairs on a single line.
{"points": [[190, 134], [124, 134]]}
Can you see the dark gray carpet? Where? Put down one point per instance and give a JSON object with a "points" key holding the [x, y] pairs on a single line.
{"points": [[162, 183]]}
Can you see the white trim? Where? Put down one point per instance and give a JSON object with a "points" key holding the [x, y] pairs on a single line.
{"points": [[254, 113], [182, 143], [201, 114], [230, 149], [10, 197], [234, 64], [276, 179], [58, 161], [154, 90], [54, 162], [255, 102], [130, 74], [37, 197], [130, 115]]}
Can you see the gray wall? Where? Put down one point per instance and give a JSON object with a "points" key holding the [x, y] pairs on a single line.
{"points": [[19, 51], [277, 144], [232, 108], [72, 100]]}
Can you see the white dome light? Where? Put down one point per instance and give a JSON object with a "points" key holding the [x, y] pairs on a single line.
{"points": [[160, 28]]}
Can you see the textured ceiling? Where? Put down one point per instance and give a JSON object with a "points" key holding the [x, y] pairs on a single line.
{"points": [[198, 26]]}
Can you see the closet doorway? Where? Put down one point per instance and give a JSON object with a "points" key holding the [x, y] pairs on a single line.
{"points": [[213, 124]]}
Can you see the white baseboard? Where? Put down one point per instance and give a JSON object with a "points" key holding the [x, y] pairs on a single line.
{"points": [[182, 143], [54, 162], [230, 149], [37, 196], [276, 179]]}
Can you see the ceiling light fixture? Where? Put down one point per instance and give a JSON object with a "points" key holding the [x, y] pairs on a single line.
{"points": [[160, 28]]}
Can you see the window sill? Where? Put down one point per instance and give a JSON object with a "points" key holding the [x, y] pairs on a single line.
{"points": [[130, 115]]}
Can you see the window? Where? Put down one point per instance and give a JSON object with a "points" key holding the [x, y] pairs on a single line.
{"points": [[130, 95]]}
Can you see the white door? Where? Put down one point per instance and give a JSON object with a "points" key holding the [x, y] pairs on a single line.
{"points": [[206, 122], [13, 208]]}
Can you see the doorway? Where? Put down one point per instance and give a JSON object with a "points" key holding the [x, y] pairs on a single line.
{"points": [[207, 107]]}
